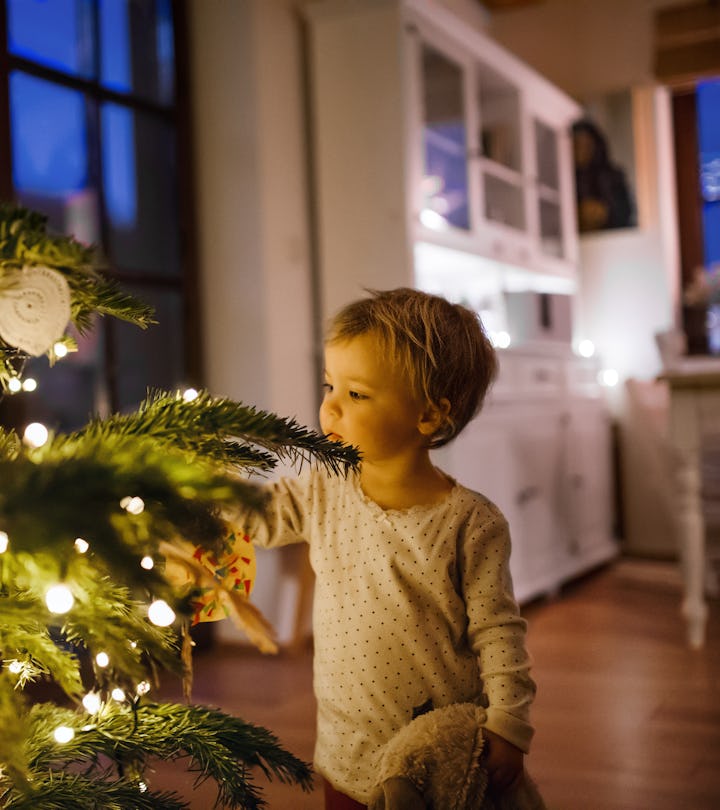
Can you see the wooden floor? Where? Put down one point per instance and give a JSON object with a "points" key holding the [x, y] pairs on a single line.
{"points": [[627, 717]]}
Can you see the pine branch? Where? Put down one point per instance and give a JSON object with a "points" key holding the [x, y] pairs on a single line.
{"points": [[67, 791], [195, 426], [218, 746]]}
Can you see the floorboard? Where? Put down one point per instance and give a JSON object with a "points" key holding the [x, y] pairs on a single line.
{"points": [[627, 716]]}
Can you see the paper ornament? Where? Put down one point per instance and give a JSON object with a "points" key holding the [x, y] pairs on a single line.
{"points": [[34, 309]]}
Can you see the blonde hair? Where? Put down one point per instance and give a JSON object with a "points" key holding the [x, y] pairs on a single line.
{"points": [[440, 347]]}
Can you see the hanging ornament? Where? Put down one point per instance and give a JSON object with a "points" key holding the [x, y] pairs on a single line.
{"points": [[34, 309]]}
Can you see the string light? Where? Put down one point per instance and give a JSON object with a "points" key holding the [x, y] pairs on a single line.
{"points": [[189, 394], [16, 667], [81, 546], [92, 702], [36, 434], [133, 505], [59, 599], [63, 734], [142, 787], [608, 377], [60, 350], [586, 348], [4, 540], [161, 614], [14, 385], [118, 694], [142, 688], [147, 563], [29, 384], [102, 659]]}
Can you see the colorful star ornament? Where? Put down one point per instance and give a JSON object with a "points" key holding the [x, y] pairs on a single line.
{"points": [[220, 584]]}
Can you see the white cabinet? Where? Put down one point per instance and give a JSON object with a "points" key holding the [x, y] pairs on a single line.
{"points": [[546, 462], [426, 132]]}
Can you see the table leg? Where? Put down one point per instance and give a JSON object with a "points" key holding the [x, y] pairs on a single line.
{"points": [[691, 528]]}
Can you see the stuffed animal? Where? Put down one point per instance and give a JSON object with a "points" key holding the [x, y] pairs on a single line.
{"points": [[435, 763]]}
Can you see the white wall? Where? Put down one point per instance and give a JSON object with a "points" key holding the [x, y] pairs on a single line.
{"points": [[254, 248], [252, 204]]}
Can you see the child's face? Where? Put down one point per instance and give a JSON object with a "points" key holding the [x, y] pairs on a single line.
{"points": [[367, 403]]}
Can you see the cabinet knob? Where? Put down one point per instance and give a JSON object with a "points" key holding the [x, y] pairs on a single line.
{"points": [[527, 494]]}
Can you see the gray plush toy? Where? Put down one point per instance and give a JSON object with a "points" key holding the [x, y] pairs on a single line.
{"points": [[435, 763]]}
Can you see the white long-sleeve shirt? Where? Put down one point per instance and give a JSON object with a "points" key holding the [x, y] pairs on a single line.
{"points": [[412, 608]]}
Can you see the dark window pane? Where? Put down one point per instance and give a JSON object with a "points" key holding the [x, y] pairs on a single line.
{"points": [[55, 33], [72, 390], [139, 173], [445, 184], [151, 358], [51, 173], [137, 51]]}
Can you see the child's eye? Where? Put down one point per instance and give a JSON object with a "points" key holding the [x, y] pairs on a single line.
{"points": [[327, 388], [356, 396]]}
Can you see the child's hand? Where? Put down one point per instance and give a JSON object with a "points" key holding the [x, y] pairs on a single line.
{"points": [[503, 760]]}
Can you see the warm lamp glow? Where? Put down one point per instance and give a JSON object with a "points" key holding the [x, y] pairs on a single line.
{"points": [[59, 599], [92, 702], [63, 734], [36, 434], [161, 614]]}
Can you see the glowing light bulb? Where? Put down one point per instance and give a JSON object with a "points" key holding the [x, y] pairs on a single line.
{"points": [[16, 667], [60, 350], [14, 385], [102, 659], [161, 614], [92, 702], [63, 734], [431, 219], [81, 546], [133, 645], [142, 688], [147, 563], [29, 384], [4, 540], [189, 394], [500, 340], [36, 434], [118, 694], [608, 377], [133, 505], [142, 787], [586, 348], [59, 599]]}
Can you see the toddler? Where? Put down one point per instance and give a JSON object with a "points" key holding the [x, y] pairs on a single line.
{"points": [[413, 606]]}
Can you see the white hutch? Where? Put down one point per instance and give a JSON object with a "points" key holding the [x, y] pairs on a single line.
{"points": [[443, 162]]}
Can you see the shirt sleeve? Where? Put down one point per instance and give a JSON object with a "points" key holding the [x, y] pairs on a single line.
{"points": [[496, 630], [282, 519]]}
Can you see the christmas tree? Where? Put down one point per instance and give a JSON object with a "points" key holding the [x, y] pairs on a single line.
{"points": [[113, 539]]}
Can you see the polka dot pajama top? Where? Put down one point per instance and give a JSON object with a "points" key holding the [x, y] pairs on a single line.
{"points": [[412, 609]]}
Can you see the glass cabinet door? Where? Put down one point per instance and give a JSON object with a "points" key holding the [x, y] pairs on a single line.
{"points": [[445, 150], [500, 139], [548, 190]]}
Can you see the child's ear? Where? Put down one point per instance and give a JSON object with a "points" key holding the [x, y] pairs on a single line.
{"points": [[433, 416]]}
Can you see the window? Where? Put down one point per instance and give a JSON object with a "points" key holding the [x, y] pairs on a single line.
{"points": [[96, 141]]}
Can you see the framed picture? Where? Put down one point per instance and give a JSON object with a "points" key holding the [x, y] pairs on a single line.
{"points": [[603, 147]]}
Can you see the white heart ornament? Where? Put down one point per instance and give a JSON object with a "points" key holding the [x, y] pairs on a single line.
{"points": [[34, 309]]}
